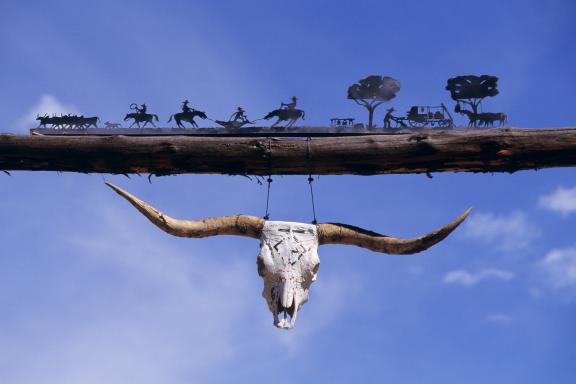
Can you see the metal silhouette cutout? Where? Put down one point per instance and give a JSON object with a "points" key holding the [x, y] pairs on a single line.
{"points": [[237, 120], [467, 91], [187, 115], [67, 121], [287, 112], [389, 118], [339, 122], [471, 90], [373, 91], [109, 125], [140, 115], [420, 116]]}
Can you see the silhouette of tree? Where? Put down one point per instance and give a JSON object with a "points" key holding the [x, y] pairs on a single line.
{"points": [[471, 89], [373, 91]]}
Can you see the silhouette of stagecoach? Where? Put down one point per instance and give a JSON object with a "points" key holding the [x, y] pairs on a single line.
{"points": [[427, 116]]}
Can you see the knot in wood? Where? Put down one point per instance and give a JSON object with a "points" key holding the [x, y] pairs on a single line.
{"points": [[418, 138]]}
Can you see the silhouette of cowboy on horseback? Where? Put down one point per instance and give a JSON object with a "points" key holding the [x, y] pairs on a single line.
{"points": [[290, 106], [286, 112], [186, 108], [140, 115], [143, 109]]}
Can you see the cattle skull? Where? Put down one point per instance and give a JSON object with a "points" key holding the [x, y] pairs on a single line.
{"points": [[288, 260]]}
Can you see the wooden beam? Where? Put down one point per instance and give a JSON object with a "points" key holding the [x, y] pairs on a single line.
{"points": [[418, 151]]}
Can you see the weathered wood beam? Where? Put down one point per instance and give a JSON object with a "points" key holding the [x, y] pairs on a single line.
{"points": [[450, 150]]}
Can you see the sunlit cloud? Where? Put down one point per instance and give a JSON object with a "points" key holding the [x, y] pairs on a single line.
{"points": [[468, 279], [157, 312], [559, 266], [161, 309], [562, 200], [47, 104], [512, 232]]}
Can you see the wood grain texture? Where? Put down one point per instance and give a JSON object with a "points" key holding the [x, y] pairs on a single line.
{"points": [[423, 151]]}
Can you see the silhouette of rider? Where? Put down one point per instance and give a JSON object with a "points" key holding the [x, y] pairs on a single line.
{"points": [[142, 110], [290, 106], [185, 107], [239, 116]]}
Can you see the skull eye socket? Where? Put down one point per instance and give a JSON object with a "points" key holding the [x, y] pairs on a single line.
{"points": [[261, 268], [315, 268]]}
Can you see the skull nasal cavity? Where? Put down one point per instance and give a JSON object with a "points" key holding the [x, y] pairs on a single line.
{"points": [[287, 295]]}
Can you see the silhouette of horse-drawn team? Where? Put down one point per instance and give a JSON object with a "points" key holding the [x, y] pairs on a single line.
{"points": [[469, 90]]}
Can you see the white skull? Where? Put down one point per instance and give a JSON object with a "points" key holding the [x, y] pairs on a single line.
{"points": [[288, 262]]}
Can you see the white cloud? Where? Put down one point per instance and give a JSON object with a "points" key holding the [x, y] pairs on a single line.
{"points": [[562, 200], [499, 319], [47, 104], [508, 233], [155, 309], [468, 279], [158, 312], [560, 267]]}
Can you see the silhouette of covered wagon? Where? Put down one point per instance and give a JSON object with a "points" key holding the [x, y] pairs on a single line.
{"points": [[426, 116]]}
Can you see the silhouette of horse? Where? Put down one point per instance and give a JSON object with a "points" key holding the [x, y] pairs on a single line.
{"points": [[489, 118], [290, 115], [188, 117], [486, 119], [141, 117]]}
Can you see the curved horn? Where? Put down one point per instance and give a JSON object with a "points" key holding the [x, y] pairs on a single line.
{"points": [[240, 225], [335, 233]]}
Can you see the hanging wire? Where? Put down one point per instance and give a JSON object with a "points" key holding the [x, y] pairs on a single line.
{"points": [[267, 215], [269, 180], [311, 179]]}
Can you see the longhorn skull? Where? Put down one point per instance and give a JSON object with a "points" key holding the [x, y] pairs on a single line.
{"points": [[288, 260]]}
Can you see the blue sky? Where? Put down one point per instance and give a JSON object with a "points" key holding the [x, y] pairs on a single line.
{"points": [[90, 292]]}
